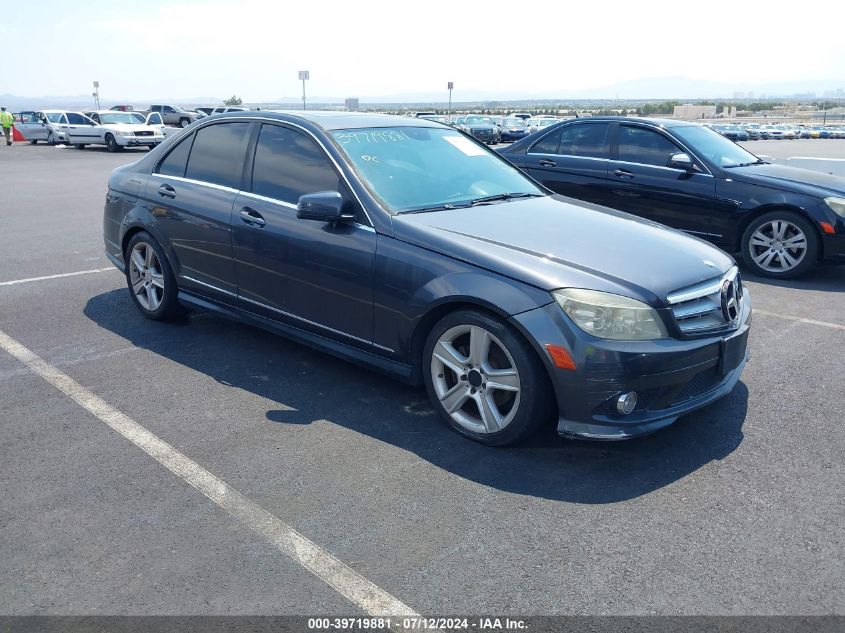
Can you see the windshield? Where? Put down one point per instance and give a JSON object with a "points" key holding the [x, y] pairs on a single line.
{"points": [[117, 117], [714, 146], [479, 119], [53, 117], [414, 168], [514, 122]]}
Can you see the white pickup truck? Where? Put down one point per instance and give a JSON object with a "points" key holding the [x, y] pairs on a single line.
{"points": [[115, 130]]}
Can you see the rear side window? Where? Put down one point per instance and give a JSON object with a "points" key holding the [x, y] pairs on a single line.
{"points": [[175, 162], [640, 145], [217, 155], [288, 164], [587, 139], [549, 144]]}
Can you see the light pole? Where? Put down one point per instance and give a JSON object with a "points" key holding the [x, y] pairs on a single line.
{"points": [[450, 85], [97, 93], [304, 75]]}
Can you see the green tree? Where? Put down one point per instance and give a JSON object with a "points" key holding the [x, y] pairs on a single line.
{"points": [[234, 100]]}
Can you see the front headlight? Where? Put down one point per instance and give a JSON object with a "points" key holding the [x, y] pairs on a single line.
{"points": [[837, 205], [126, 133], [610, 316]]}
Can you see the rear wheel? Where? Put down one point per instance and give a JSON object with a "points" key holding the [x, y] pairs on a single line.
{"points": [[184, 122], [151, 282], [484, 379], [780, 244]]}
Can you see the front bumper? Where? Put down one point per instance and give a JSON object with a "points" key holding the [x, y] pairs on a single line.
{"points": [[138, 141], [672, 377], [834, 248]]}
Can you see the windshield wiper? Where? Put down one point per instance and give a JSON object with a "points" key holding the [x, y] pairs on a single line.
{"points": [[504, 196], [436, 207], [756, 162]]}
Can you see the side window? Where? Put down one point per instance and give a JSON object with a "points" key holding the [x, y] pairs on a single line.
{"points": [[76, 119], [549, 144], [63, 120], [640, 145], [585, 139], [168, 109], [217, 155], [288, 164], [177, 159]]}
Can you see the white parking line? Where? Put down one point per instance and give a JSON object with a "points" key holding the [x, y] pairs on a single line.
{"points": [[347, 582], [79, 272], [835, 326]]}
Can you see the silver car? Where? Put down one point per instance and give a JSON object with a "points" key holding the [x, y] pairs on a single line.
{"points": [[45, 125]]}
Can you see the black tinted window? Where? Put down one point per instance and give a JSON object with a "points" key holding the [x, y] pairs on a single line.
{"points": [[77, 119], [217, 155], [549, 144], [640, 145], [585, 139], [288, 164], [174, 163]]}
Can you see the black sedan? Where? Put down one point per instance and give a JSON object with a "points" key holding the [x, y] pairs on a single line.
{"points": [[404, 245], [781, 219], [512, 128]]}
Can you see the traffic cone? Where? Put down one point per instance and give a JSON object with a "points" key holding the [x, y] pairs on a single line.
{"points": [[17, 136]]}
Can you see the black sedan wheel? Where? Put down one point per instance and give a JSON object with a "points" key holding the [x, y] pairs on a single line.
{"points": [[484, 379], [780, 244], [152, 285]]}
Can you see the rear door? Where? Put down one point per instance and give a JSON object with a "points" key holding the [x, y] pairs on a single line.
{"points": [[572, 160], [30, 125], [191, 193], [641, 182], [315, 275]]}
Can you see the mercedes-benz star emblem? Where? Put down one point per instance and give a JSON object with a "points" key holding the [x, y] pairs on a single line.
{"points": [[730, 300]]}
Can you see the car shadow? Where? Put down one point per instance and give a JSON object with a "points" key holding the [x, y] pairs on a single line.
{"points": [[311, 386], [825, 278]]}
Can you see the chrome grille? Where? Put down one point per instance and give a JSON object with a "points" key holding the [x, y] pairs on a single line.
{"points": [[698, 308]]}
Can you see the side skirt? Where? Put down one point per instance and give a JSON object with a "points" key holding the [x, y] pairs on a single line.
{"points": [[396, 370]]}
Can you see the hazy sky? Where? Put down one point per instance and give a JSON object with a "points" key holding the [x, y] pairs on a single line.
{"points": [[253, 48]]}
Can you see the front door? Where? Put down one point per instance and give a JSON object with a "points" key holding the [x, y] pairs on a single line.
{"points": [[314, 275], [81, 130], [641, 182]]}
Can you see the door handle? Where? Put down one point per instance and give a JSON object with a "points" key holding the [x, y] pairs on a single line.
{"points": [[252, 217], [623, 173], [166, 191], [547, 163]]}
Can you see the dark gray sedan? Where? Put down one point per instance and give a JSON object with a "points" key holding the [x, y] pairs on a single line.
{"points": [[408, 246]]}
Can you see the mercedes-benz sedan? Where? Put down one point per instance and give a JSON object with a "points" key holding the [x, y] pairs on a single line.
{"points": [[408, 246]]}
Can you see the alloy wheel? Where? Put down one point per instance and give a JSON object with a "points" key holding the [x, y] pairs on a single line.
{"points": [[777, 246], [146, 276], [475, 379]]}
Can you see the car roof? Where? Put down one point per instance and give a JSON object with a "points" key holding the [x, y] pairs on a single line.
{"points": [[333, 120], [666, 123]]}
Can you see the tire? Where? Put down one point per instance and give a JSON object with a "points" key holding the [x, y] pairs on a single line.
{"points": [[80, 146], [111, 144], [150, 279], [765, 245], [51, 140], [33, 142], [516, 409], [184, 122]]}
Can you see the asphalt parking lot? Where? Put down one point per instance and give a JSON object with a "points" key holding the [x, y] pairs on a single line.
{"points": [[736, 509]]}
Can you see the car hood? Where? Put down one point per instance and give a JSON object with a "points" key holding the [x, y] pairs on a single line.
{"points": [[129, 127], [479, 126], [553, 242], [813, 183]]}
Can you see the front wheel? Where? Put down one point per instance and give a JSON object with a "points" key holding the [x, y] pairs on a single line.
{"points": [[780, 244], [151, 282], [484, 379], [184, 122], [111, 144]]}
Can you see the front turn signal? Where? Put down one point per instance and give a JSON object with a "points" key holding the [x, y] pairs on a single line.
{"points": [[560, 357]]}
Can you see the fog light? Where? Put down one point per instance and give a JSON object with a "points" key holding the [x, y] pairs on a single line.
{"points": [[626, 402]]}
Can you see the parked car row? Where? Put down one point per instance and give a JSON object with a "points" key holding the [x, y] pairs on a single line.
{"points": [[502, 129], [116, 129], [757, 131]]}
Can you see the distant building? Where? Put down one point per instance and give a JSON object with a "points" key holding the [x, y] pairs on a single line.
{"points": [[691, 112], [351, 103]]}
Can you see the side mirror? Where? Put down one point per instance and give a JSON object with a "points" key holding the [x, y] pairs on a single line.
{"points": [[681, 160], [323, 206]]}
